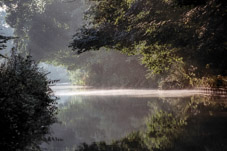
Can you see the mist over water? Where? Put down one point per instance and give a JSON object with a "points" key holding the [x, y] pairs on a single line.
{"points": [[89, 91]]}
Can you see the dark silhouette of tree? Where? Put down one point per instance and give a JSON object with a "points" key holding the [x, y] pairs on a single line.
{"points": [[27, 104]]}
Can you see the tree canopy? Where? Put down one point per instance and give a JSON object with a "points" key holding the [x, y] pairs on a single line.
{"points": [[165, 33]]}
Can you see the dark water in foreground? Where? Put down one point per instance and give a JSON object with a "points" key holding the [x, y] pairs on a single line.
{"points": [[88, 115]]}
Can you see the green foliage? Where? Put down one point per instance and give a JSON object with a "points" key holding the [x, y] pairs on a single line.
{"points": [[27, 104], [163, 32], [176, 78], [158, 58]]}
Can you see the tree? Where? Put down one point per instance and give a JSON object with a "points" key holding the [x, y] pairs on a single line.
{"points": [[166, 33], [27, 104]]}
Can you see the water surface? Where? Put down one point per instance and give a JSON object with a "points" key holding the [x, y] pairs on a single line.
{"points": [[91, 115]]}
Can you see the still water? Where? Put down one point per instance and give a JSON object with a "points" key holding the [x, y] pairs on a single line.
{"points": [[90, 115]]}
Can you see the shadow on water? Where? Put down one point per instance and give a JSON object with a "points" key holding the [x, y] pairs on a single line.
{"points": [[193, 122]]}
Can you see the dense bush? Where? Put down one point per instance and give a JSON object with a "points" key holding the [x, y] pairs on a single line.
{"points": [[27, 105]]}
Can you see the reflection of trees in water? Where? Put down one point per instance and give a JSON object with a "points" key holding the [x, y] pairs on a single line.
{"points": [[90, 119], [196, 123], [206, 126]]}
